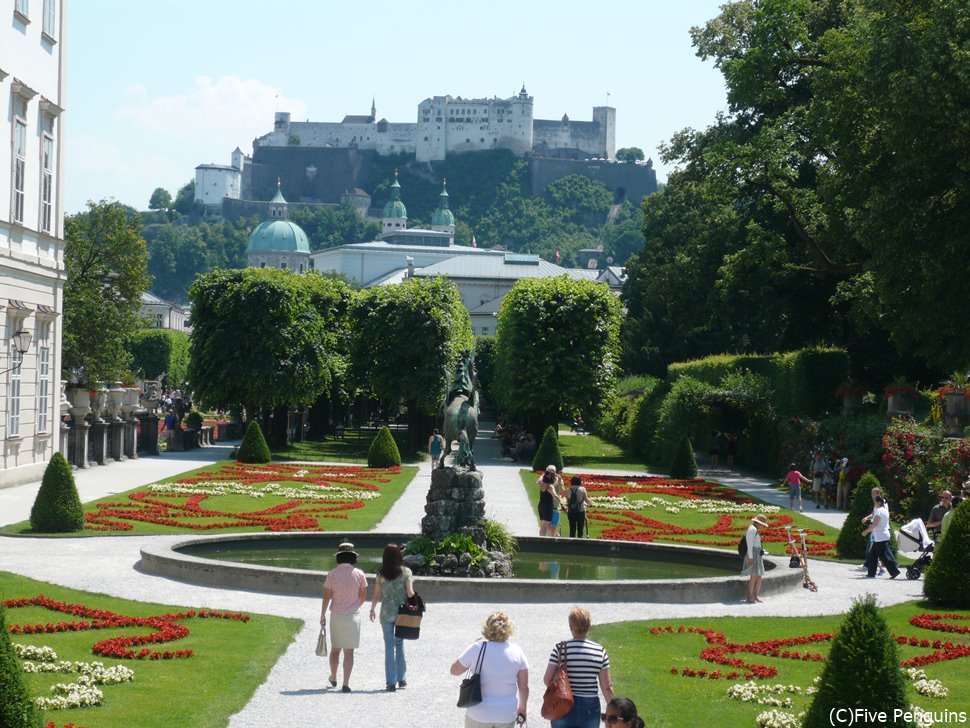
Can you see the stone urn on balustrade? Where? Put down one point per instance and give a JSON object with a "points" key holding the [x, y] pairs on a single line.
{"points": [[80, 398], [956, 411], [851, 395], [899, 400]]}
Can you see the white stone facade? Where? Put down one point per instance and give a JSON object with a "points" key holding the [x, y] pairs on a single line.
{"points": [[31, 234], [162, 314], [447, 125], [213, 182]]}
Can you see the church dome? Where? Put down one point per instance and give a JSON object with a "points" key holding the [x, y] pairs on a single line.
{"points": [[442, 216], [280, 236], [394, 207]]}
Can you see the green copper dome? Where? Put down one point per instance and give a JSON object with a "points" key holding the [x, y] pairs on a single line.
{"points": [[394, 207], [442, 216], [280, 236]]}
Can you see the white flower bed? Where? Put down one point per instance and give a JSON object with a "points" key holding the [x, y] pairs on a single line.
{"points": [[752, 692], [305, 491], [78, 694], [778, 719], [931, 688]]}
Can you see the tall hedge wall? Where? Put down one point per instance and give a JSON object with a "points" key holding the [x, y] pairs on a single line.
{"points": [[156, 351]]}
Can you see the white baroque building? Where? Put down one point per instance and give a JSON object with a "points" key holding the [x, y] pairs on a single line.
{"points": [[447, 125], [32, 60]]}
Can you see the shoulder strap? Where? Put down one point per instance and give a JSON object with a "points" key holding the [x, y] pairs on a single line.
{"points": [[481, 656]]}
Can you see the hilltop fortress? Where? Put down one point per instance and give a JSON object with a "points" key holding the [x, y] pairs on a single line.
{"points": [[329, 162]]}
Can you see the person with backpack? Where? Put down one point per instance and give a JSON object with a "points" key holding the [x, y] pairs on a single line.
{"points": [[752, 565], [576, 507]]}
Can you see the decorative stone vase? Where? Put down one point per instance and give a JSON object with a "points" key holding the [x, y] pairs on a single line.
{"points": [[99, 402], [851, 403], [80, 398], [129, 405], [116, 397], [956, 414], [900, 403]]}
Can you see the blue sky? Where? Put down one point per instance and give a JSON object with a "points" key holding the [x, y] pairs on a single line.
{"points": [[153, 89]]}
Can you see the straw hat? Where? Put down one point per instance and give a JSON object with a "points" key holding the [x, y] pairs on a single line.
{"points": [[346, 548], [760, 520], [550, 468]]}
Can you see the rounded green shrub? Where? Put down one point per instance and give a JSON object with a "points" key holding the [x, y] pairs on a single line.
{"points": [[683, 464], [193, 420], [16, 708], [253, 448], [946, 581], [548, 451], [852, 544], [57, 507], [383, 452], [862, 670]]}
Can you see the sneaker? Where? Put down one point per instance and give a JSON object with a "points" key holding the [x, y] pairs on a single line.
{"points": [[881, 571], [345, 689], [390, 689], [403, 684]]}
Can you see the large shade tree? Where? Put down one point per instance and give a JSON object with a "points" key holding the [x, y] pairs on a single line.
{"points": [[557, 348], [106, 266], [264, 337], [406, 338]]}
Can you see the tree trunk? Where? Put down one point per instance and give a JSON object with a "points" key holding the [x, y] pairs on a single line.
{"points": [[320, 417], [277, 427]]}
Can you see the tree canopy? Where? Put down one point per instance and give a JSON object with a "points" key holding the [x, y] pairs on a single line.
{"points": [[629, 154], [105, 263], [161, 199]]}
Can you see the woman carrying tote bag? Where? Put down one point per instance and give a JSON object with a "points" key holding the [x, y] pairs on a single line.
{"points": [[394, 585], [504, 676], [588, 668]]}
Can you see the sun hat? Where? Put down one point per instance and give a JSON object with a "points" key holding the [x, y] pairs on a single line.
{"points": [[346, 548], [759, 519], [845, 461], [550, 468]]}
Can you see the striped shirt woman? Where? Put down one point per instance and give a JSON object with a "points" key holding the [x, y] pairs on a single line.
{"points": [[588, 667]]}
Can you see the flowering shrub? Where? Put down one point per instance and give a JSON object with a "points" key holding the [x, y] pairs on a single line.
{"points": [[913, 457], [312, 493]]}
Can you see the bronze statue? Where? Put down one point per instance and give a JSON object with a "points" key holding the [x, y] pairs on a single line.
{"points": [[460, 413]]}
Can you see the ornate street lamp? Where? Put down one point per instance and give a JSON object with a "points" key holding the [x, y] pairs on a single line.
{"points": [[21, 342]]}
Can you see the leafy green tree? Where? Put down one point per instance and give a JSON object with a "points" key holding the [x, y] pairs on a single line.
{"points": [[580, 199], [406, 338], [57, 507], [161, 199], [106, 267], [185, 199], [17, 710], [265, 337], [327, 227], [161, 351], [557, 348], [485, 367], [629, 154]]}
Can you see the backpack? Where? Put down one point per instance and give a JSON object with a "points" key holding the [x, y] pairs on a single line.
{"points": [[743, 546], [573, 502]]}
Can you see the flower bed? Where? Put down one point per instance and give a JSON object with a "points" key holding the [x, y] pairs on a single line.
{"points": [[307, 493]]}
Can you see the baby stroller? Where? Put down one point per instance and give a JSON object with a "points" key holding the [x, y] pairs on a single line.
{"points": [[914, 539]]}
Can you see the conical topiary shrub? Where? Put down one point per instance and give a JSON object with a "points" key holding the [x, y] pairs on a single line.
{"points": [[548, 451], [383, 452], [253, 448], [862, 670], [683, 464], [16, 708], [851, 543], [57, 507], [946, 581]]}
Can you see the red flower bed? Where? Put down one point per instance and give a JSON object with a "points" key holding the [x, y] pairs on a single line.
{"points": [[188, 511], [164, 626], [725, 531]]}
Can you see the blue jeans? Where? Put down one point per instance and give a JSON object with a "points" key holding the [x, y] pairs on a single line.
{"points": [[585, 714], [395, 668]]}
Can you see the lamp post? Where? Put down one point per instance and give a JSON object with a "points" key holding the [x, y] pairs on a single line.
{"points": [[21, 342]]}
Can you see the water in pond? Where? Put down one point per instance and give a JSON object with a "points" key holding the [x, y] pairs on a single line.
{"points": [[547, 565]]}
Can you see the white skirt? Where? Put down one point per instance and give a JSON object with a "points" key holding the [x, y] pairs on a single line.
{"points": [[344, 631]]}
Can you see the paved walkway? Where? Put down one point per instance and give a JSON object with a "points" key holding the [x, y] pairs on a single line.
{"points": [[294, 692]]}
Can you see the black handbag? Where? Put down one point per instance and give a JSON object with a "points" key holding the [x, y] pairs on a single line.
{"points": [[407, 624], [470, 690]]}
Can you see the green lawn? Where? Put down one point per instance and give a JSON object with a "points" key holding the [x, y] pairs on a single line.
{"points": [[231, 659], [592, 451], [652, 521], [642, 662], [352, 448], [308, 497]]}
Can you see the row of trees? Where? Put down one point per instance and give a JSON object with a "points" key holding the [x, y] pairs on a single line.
{"points": [[829, 204]]}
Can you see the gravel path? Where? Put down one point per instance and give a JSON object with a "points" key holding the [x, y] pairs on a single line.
{"points": [[294, 692]]}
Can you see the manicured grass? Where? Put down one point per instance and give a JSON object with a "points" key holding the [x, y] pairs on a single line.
{"points": [[231, 659], [592, 451], [318, 497], [654, 523], [352, 448], [642, 662]]}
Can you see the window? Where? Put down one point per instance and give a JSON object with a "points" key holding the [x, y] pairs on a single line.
{"points": [[47, 184], [50, 14], [13, 393], [19, 168], [44, 375], [20, 7], [158, 321], [283, 265]]}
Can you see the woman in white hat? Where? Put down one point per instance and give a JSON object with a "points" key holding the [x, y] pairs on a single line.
{"points": [[753, 566], [344, 591]]}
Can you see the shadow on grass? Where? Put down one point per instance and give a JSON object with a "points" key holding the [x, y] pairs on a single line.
{"points": [[352, 448], [591, 451]]}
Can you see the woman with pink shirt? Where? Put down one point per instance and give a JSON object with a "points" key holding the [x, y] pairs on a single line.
{"points": [[344, 591], [795, 480]]}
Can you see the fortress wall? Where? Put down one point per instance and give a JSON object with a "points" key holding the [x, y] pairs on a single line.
{"points": [[586, 136], [636, 180], [336, 171]]}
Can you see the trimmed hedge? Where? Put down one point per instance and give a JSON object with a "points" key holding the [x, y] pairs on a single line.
{"points": [[485, 368], [548, 452], [253, 448], [383, 451], [157, 351], [16, 708], [684, 464], [946, 581], [682, 412], [57, 507], [862, 670]]}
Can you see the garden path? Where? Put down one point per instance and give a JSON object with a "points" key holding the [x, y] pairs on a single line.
{"points": [[294, 692]]}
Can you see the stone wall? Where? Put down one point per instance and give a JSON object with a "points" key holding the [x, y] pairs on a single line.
{"points": [[633, 181], [456, 500]]}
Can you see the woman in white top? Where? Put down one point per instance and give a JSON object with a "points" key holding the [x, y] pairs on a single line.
{"points": [[504, 674], [753, 566]]}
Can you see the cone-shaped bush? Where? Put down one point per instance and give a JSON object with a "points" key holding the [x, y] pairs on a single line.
{"points": [[16, 708], [851, 543], [683, 464], [253, 448], [946, 581], [862, 669], [548, 451], [383, 452], [57, 507]]}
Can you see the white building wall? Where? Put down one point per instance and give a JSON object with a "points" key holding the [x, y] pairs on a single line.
{"points": [[215, 182], [31, 248]]}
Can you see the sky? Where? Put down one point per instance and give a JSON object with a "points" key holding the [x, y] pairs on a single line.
{"points": [[155, 89]]}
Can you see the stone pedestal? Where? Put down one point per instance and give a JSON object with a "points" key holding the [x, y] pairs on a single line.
{"points": [[64, 443], [456, 499], [80, 431], [149, 432], [99, 438], [131, 437], [116, 440]]}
